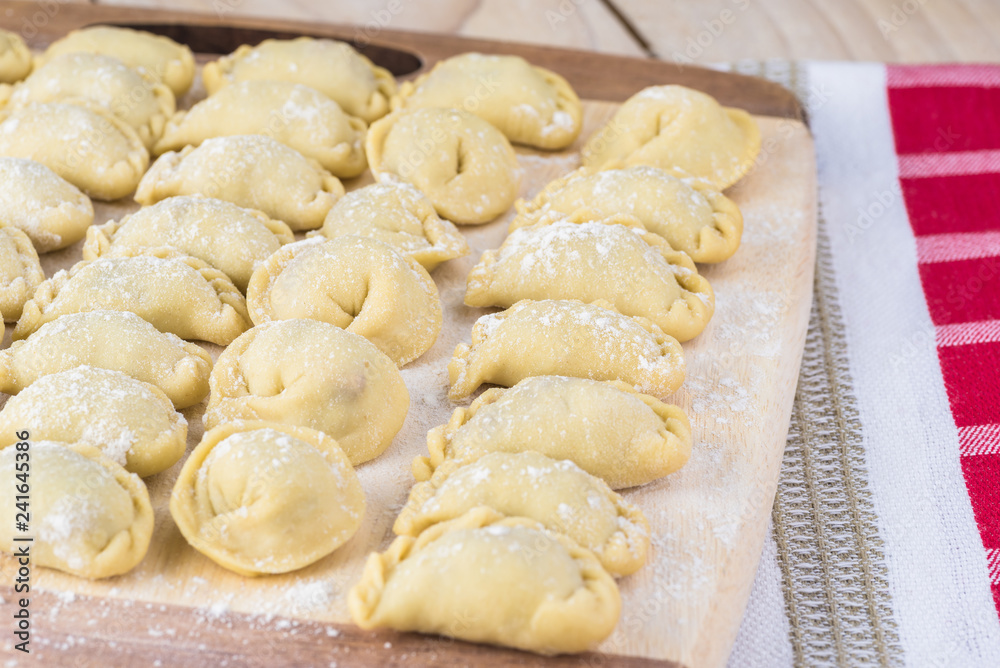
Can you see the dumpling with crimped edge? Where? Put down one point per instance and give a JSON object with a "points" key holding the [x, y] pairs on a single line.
{"points": [[311, 374], [141, 101], [15, 57], [400, 215], [356, 283], [566, 338], [530, 105], [492, 579], [20, 272], [690, 214], [117, 340], [48, 208], [252, 171], [261, 497], [557, 493], [677, 127], [89, 516], [464, 165], [333, 68], [154, 55], [296, 115], [628, 438], [95, 151], [177, 293], [133, 423], [230, 238], [578, 257]]}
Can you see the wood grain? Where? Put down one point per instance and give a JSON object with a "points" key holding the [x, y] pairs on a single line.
{"points": [[586, 25], [883, 30]]}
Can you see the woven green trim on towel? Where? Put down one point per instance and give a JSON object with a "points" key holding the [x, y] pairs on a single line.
{"points": [[830, 552]]}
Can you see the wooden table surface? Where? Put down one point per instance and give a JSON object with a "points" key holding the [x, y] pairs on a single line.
{"points": [[688, 30]]}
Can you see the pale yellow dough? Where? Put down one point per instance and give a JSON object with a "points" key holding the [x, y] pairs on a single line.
{"points": [[296, 115], [49, 209], [230, 238], [610, 258], [557, 493], [464, 165], [490, 579], [141, 101], [690, 214], [20, 272], [311, 374], [15, 57], [530, 105], [333, 68], [401, 216], [175, 292], [252, 171], [261, 497], [624, 437], [133, 423], [357, 283], [153, 55], [117, 340], [677, 127], [89, 516], [95, 151], [569, 338]]}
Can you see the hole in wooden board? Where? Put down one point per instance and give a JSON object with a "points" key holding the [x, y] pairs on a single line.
{"points": [[221, 40]]}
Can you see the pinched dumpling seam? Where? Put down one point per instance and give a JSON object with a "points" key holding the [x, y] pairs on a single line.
{"points": [[557, 133], [546, 630], [228, 294], [686, 317], [439, 439], [717, 240], [14, 295], [622, 553]]}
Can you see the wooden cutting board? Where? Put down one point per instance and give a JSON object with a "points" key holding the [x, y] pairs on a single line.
{"points": [[177, 608]]}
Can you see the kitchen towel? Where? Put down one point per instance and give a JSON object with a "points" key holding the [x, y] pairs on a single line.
{"points": [[885, 541]]}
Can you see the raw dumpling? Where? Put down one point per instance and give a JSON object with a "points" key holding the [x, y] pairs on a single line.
{"points": [[690, 214], [95, 151], [176, 293], [296, 115], [331, 67], [116, 340], [311, 374], [141, 101], [15, 57], [401, 216], [464, 165], [230, 238], [133, 423], [557, 493], [487, 578], [20, 272], [252, 171], [677, 127], [610, 259], [627, 438], [50, 210], [259, 497], [89, 516], [357, 283], [153, 55], [530, 105], [569, 338]]}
